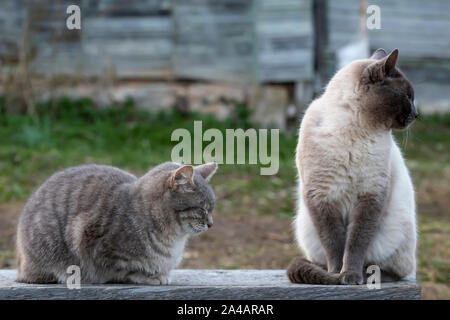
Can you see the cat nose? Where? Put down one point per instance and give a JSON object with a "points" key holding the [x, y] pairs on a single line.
{"points": [[414, 110], [209, 222]]}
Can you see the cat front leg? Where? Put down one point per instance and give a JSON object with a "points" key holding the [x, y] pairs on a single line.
{"points": [[329, 224], [362, 231]]}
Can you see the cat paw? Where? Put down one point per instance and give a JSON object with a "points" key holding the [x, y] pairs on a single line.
{"points": [[152, 281], [149, 281], [164, 280], [351, 277], [158, 281]]}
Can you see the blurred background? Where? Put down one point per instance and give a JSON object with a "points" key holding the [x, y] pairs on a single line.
{"points": [[113, 92]]}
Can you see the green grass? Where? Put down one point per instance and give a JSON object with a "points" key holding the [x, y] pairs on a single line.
{"points": [[69, 132], [427, 145], [434, 249]]}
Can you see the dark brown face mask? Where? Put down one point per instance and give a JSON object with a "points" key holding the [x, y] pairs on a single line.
{"points": [[388, 94]]}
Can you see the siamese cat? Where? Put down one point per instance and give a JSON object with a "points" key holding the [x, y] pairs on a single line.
{"points": [[356, 200]]}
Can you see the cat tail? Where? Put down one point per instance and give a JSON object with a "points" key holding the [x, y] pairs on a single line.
{"points": [[303, 271]]}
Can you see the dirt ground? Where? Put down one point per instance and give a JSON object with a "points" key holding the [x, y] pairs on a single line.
{"points": [[9, 214]]}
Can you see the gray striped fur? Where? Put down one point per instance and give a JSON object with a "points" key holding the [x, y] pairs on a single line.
{"points": [[114, 226]]}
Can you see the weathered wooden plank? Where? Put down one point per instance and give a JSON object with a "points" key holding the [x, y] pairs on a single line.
{"points": [[285, 5], [129, 47], [132, 7], [271, 44], [72, 59], [92, 66], [205, 67], [209, 285], [413, 26], [206, 32], [413, 50], [127, 27], [423, 14], [285, 27], [219, 7], [284, 73], [413, 5], [297, 57]]}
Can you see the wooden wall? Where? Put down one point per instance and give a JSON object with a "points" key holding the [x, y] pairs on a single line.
{"points": [[231, 40], [11, 18], [214, 40], [263, 40], [420, 29], [126, 38], [234, 40], [284, 36]]}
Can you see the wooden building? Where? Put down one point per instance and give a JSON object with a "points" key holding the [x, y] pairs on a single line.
{"points": [[270, 44]]}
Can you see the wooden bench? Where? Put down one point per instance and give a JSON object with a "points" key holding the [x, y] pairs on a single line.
{"points": [[208, 284]]}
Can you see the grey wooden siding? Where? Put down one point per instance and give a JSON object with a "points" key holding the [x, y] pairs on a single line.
{"points": [[215, 39], [11, 17], [420, 29], [241, 40], [343, 23], [236, 40], [128, 38], [284, 33]]}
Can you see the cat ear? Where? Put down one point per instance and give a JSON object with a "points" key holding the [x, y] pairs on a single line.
{"points": [[207, 170], [390, 62], [380, 69], [379, 54], [182, 176]]}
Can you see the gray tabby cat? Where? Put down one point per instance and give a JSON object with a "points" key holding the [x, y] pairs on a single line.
{"points": [[356, 199], [114, 226]]}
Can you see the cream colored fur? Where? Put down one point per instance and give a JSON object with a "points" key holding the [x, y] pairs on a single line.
{"points": [[338, 135]]}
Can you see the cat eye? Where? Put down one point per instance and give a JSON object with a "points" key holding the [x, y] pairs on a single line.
{"points": [[202, 210]]}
